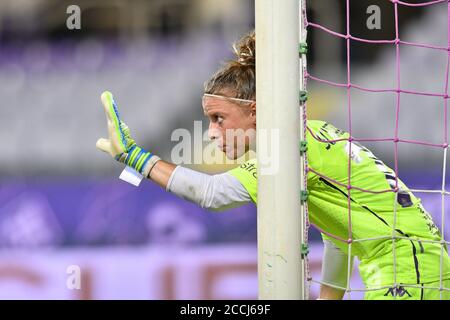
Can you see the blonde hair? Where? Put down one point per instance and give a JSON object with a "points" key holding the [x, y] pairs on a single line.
{"points": [[238, 74]]}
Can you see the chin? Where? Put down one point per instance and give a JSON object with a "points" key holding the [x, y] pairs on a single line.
{"points": [[234, 154], [230, 156]]}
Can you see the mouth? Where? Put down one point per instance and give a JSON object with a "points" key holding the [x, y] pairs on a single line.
{"points": [[222, 147]]}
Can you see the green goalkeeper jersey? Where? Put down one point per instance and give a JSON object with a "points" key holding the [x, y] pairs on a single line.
{"points": [[372, 213]]}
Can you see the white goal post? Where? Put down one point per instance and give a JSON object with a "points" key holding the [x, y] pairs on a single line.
{"points": [[281, 270]]}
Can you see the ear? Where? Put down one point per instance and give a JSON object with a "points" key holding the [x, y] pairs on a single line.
{"points": [[253, 111]]}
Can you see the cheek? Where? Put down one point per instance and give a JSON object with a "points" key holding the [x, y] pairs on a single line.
{"points": [[234, 126], [238, 121], [215, 130], [229, 127], [245, 121]]}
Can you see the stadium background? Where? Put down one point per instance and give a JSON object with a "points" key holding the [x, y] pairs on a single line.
{"points": [[61, 203]]}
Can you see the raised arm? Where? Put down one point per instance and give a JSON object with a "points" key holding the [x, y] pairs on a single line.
{"points": [[213, 192]]}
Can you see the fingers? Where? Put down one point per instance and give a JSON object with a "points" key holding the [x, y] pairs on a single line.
{"points": [[104, 145], [125, 130], [108, 105], [114, 123]]}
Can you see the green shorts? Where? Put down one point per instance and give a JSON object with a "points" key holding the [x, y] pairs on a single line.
{"points": [[430, 291]]}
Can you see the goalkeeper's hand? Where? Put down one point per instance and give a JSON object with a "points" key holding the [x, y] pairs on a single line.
{"points": [[120, 145]]}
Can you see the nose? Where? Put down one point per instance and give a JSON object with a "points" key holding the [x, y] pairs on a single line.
{"points": [[213, 132]]}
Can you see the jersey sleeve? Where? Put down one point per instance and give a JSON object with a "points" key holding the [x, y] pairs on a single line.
{"points": [[246, 173]]}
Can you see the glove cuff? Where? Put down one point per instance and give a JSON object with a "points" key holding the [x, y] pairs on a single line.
{"points": [[139, 159]]}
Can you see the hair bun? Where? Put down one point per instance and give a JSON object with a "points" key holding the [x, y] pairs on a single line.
{"points": [[245, 50]]}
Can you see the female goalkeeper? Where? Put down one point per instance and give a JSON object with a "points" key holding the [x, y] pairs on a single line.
{"points": [[229, 103]]}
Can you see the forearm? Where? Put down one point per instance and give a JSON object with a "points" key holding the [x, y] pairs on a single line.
{"points": [[161, 172]]}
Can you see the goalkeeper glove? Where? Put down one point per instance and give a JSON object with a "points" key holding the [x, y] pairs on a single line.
{"points": [[120, 145]]}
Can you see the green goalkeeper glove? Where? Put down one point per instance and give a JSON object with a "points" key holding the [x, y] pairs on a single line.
{"points": [[120, 145]]}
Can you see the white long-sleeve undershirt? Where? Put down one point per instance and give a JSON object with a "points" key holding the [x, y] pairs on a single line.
{"points": [[335, 265], [213, 192]]}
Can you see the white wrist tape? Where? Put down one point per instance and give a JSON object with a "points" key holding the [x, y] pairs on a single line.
{"points": [[133, 177]]}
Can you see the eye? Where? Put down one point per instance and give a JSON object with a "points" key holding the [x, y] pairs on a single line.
{"points": [[217, 118]]}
